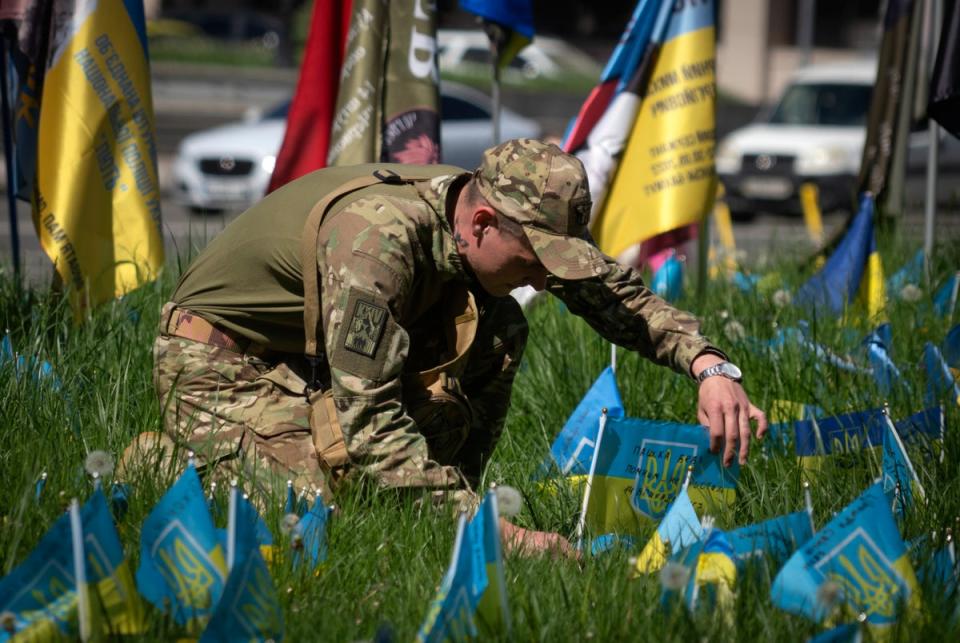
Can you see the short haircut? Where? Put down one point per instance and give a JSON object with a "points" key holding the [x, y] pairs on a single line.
{"points": [[505, 223]]}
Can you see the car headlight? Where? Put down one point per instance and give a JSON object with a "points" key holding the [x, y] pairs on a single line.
{"points": [[727, 159], [268, 163], [822, 160]]}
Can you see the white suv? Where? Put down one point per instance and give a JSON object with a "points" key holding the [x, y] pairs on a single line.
{"points": [[815, 133]]}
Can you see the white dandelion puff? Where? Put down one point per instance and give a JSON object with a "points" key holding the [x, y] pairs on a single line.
{"points": [[674, 576], [99, 463], [911, 293], [781, 298], [289, 523], [509, 501], [734, 330]]}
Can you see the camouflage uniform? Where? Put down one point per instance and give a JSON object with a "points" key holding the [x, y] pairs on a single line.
{"points": [[387, 262]]}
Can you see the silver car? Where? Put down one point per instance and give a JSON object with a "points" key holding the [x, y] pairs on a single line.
{"points": [[229, 167]]}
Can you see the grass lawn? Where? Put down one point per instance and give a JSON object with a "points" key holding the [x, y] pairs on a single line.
{"points": [[387, 557]]}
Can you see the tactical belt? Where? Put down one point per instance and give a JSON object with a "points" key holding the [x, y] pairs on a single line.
{"points": [[185, 324]]}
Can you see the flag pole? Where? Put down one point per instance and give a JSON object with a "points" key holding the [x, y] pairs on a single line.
{"points": [[582, 521], [497, 37], [232, 526], [8, 157], [933, 152], [80, 570]]}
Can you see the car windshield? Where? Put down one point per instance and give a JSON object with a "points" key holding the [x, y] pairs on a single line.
{"points": [[823, 104]]}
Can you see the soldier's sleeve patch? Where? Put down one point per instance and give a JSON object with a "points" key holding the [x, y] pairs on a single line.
{"points": [[364, 337], [365, 328]]}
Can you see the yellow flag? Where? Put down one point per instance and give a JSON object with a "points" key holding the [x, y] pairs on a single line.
{"points": [[96, 206], [666, 178]]}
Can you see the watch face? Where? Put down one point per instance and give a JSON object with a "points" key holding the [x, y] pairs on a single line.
{"points": [[731, 370]]}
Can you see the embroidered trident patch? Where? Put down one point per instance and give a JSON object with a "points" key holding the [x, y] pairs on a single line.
{"points": [[365, 329]]}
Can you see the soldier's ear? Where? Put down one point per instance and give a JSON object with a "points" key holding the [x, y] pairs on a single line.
{"points": [[484, 218]]}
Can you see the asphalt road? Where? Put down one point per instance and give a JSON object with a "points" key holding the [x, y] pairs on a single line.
{"points": [[209, 98]]}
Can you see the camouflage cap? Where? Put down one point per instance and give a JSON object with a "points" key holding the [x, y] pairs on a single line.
{"points": [[545, 190]]}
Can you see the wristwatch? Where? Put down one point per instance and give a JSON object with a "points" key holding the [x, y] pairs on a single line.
{"points": [[727, 369]]}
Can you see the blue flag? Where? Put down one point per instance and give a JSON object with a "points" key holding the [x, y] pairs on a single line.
{"points": [[857, 559], [898, 470], [450, 616], [836, 285], [311, 532], [515, 16], [680, 528], [182, 564], [910, 273], [940, 380], [249, 609], [493, 613], [951, 347], [702, 574], [668, 280], [572, 450], [945, 299], [776, 538], [294, 504], [849, 432], [885, 372]]}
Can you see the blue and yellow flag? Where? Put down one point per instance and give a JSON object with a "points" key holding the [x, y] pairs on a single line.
{"points": [[940, 380], [898, 472], [885, 372], [945, 299], [96, 204], [640, 468], [451, 613], [775, 539], [853, 270], [311, 531], [514, 16], [493, 613], [910, 273], [680, 528], [183, 568], [572, 450], [951, 347], [249, 609], [41, 592], [666, 179], [857, 563], [702, 574]]}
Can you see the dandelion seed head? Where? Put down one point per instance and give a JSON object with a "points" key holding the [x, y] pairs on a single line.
{"points": [[674, 576], [734, 330], [911, 293], [509, 500], [289, 522], [99, 463], [781, 298]]}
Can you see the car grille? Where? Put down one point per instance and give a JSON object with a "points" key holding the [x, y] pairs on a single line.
{"points": [[767, 164], [226, 166]]}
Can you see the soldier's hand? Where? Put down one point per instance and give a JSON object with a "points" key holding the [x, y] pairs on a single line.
{"points": [[528, 542], [723, 406]]}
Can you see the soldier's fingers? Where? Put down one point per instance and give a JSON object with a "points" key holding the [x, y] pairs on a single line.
{"points": [[731, 425], [744, 421], [761, 418], [715, 422]]}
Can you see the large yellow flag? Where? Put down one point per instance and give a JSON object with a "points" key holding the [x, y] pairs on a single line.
{"points": [[96, 204], [666, 178]]}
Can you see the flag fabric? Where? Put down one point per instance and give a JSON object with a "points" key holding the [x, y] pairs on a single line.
{"points": [[515, 17], [183, 567], [705, 572], [246, 513], [666, 178], [295, 504], [944, 99], [850, 432], [898, 471], [96, 197], [853, 268], [858, 559], [41, 593], [951, 347], [388, 99], [888, 97], [910, 273], [451, 614], [847, 633], [639, 468], [775, 539], [572, 450], [885, 372], [307, 137], [667, 281], [940, 379], [945, 299], [493, 613], [680, 528], [248, 609], [310, 534], [797, 337]]}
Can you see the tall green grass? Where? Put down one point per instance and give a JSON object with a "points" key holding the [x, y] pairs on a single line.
{"points": [[387, 556]]}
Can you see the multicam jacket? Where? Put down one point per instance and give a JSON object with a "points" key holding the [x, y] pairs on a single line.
{"points": [[387, 254]]}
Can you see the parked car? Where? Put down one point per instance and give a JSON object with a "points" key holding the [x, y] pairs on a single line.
{"points": [[229, 167], [815, 133], [467, 51]]}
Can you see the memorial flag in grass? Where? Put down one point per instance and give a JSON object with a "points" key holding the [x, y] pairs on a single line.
{"points": [[680, 528], [951, 347], [857, 561], [248, 609], [515, 17], [853, 270], [41, 593], [940, 378], [388, 98], [709, 572], [910, 273], [183, 568], [307, 137], [898, 471], [775, 539], [311, 531], [945, 299], [666, 178], [885, 372], [639, 470], [572, 450], [96, 197], [473, 589]]}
